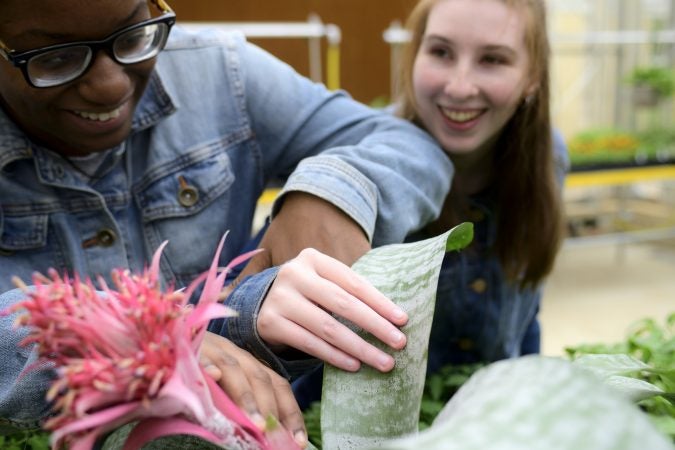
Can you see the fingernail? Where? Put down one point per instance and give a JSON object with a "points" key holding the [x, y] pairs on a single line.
{"points": [[399, 314], [258, 420], [300, 438], [397, 337], [351, 364], [385, 362]]}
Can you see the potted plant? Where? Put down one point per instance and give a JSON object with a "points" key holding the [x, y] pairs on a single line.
{"points": [[651, 84]]}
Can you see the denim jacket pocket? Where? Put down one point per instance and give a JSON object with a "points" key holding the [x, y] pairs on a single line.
{"points": [[26, 247], [22, 232], [185, 189], [187, 207]]}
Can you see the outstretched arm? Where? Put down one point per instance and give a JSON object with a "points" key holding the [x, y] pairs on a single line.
{"points": [[298, 311]]}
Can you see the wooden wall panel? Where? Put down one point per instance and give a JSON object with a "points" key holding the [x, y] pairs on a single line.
{"points": [[365, 56]]}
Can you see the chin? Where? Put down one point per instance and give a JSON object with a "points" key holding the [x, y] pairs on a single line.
{"points": [[458, 149]]}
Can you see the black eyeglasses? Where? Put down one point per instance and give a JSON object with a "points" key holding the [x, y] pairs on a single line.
{"points": [[60, 64]]}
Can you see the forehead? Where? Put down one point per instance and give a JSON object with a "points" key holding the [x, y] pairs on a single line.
{"points": [[485, 22], [19, 18]]}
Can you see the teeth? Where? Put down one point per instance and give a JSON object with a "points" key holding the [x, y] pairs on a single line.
{"points": [[101, 117], [460, 116]]}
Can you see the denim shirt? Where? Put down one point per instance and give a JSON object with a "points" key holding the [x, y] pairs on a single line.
{"points": [[219, 119], [480, 316]]}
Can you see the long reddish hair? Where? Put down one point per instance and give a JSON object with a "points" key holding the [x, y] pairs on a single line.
{"points": [[529, 206]]}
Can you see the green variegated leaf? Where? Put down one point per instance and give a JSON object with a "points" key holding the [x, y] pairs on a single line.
{"points": [[363, 409], [609, 365], [612, 370], [535, 403], [634, 389]]}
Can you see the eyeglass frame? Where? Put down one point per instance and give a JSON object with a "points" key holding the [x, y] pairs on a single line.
{"points": [[20, 60]]}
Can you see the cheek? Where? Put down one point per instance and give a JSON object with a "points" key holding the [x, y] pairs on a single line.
{"points": [[15, 93], [507, 94], [140, 74], [31, 109], [426, 82]]}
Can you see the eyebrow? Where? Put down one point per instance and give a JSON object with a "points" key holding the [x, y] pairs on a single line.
{"points": [[489, 47], [64, 36]]}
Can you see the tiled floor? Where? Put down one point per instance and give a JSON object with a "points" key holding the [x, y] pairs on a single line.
{"points": [[596, 292]]}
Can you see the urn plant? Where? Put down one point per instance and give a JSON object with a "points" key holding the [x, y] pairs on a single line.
{"points": [[532, 402]]}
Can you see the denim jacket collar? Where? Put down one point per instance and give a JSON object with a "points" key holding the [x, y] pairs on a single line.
{"points": [[155, 104]]}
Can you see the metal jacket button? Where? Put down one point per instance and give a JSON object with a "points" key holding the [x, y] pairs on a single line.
{"points": [[479, 285], [104, 238], [188, 195], [465, 344]]}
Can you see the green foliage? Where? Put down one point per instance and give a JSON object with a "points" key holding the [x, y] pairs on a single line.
{"points": [[312, 417], [647, 341], [438, 389], [25, 440], [653, 344], [661, 79], [615, 146], [440, 386]]}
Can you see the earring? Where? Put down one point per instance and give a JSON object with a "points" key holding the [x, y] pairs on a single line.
{"points": [[529, 99]]}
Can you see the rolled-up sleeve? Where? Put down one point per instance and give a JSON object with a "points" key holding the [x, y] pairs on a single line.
{"points": [[246, 300], [23, 385]]}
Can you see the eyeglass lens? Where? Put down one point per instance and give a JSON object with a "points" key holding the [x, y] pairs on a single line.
{"points": [[63, 65]]}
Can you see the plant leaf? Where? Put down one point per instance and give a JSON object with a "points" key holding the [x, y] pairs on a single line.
{"points": [[362, 409], [608, 365], [536, 402]]}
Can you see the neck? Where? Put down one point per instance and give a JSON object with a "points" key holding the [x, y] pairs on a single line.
{"points": [[472, 175]]}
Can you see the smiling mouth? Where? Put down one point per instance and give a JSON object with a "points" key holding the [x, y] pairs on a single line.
{"points": [[461, 116], [99, 117]]}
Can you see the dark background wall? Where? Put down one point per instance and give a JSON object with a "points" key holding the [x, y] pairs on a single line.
{"points": [[365, 57]]}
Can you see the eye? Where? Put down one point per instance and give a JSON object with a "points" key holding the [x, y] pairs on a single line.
{"points": [[59, 59], [135, 40], [439, 51], [493, 60]]}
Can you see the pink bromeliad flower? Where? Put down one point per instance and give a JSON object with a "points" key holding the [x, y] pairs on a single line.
{"points": [[131, 354]]}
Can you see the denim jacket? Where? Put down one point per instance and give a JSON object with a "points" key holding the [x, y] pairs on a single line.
{"points": [[219, 119]]}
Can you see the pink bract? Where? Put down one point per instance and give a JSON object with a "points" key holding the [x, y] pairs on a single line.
{"points": [[130, 353]]}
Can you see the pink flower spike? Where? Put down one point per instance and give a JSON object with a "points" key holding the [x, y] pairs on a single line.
{"points": [[150, 429], [131, 354], [100, 423], [234, 413], [154, 266], [278, 437], [243, 257]]}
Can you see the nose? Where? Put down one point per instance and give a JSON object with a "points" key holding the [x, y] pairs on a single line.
{"points": [[106, 82], [461, 82]]}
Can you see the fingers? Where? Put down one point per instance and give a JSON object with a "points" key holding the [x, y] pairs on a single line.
{"points": [[309, 338], [344, 292], [290, 415], [297, 311], [254, 387]]}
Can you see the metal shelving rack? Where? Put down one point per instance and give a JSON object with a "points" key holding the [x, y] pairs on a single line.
{"points": [[313, 30]]}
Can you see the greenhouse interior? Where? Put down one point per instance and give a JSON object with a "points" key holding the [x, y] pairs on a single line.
{"points": [[618, 260]]}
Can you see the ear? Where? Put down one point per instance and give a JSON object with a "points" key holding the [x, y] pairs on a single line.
{"points": [[531, 89], [530, 92]]}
